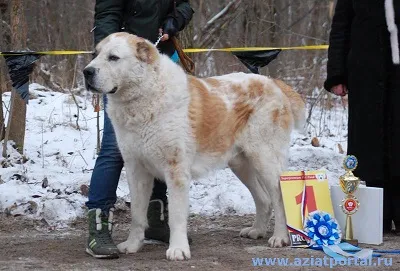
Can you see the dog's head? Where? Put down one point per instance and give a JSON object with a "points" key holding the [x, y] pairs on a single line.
{"points": [[121, 60]]}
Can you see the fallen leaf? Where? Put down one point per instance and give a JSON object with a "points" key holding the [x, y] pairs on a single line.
{"points": [[341, 151], [315, 142], [84, 190]]}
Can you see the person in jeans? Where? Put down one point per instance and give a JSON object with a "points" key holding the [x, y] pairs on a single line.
{"points": [[147, 19]]}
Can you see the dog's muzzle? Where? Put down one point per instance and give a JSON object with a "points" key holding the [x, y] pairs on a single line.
{"points": [[89, 73]]}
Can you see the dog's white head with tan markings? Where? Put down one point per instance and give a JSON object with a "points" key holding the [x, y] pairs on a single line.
{"points": [[121, 60]]}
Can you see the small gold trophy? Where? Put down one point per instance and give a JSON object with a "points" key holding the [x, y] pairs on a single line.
{"points": [[349, 184]]}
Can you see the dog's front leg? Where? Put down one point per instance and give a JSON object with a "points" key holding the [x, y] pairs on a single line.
{"points": [[140, 187], [178, 183]]}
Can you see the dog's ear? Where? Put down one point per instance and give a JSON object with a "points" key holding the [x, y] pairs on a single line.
{"points": [[146, 52]]}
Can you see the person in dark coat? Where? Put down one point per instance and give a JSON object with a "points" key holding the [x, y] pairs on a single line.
{"points": [[147, 19], [363, 60]]}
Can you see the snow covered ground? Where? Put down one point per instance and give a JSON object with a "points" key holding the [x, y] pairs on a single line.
{"points": [[61, 158]]}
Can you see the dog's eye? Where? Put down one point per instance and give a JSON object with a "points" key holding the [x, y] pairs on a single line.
{"points": [[113, 58]]}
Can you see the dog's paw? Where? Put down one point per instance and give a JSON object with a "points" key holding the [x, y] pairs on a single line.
{"points": [[129, 246], [279, 241], [178, 254], [253, 233]]}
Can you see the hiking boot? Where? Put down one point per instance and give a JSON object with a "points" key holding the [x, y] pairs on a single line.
{"points": [[100, 243], [157, 216]]}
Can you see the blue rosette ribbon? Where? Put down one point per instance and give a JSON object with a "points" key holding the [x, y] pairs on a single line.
{"points": [[324, 234], [322, 229]]}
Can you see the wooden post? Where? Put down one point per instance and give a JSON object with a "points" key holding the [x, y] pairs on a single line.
{"points": [[16, 122], [3, 44]]}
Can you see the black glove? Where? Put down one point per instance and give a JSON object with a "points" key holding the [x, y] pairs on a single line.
{"points": [[170, 27]]}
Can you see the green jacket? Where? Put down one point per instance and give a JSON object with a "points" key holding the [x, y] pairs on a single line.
{"points": [[142, 18]]}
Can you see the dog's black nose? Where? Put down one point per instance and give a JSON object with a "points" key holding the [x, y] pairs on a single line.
{"points": [[89, 72]]}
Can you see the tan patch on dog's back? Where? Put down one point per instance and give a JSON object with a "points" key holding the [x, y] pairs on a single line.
{"points": [[215, 127], [256, 88], [214, 83], [253, 90], [242, 112]]}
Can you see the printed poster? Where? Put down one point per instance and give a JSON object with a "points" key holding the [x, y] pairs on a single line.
{"points": [[304, 192]]}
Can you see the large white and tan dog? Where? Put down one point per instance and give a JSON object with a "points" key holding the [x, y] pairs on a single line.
{"points": [[177, 128]]}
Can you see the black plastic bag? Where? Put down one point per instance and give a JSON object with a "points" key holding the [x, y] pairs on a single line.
{"points": [[19, 68], [254, 60]]}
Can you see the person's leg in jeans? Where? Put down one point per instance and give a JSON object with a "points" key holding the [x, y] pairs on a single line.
{"points": [[103, 194], [107, 170]]}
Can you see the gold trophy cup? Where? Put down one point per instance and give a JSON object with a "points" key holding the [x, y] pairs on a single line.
{"points": [[349, 184]]}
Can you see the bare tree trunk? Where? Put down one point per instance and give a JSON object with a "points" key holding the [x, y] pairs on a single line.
{"points": [[186, 36], [1, 111], [5, 34], [217, 24], [16, 122]]}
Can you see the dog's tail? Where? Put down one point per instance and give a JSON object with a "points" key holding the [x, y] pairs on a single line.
{"points": [[296, 103]]}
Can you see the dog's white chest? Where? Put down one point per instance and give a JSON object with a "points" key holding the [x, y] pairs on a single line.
{"points": [[142, 146]]}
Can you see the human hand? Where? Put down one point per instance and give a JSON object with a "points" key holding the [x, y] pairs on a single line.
{"points": [[339, 90], [164, 36]]}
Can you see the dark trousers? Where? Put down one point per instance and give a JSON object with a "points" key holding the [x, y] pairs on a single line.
{"points": [[374, 134]]}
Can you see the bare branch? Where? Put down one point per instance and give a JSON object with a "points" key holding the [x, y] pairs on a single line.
{"points": [[219, 22]]}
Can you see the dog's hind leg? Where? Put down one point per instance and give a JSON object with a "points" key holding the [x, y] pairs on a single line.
{"points": [[268, 163], [140, 187], [246, 173]]}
